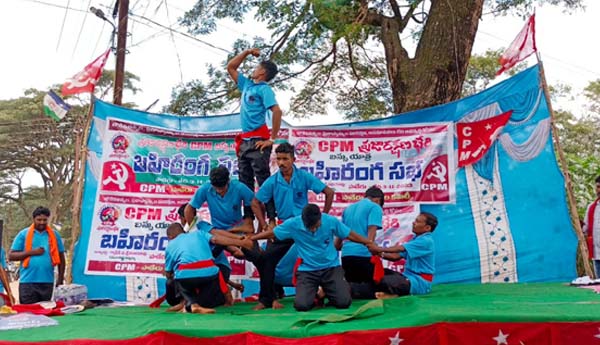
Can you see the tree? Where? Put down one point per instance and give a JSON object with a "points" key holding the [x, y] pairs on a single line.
{"points": [[356, 52], [578, 135], [482, 70], [32, 142]]}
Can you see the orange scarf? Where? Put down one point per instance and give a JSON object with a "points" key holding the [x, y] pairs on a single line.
{"points": [[54, 255]]}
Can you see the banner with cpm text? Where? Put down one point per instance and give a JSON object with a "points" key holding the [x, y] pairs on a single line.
{"points": [[411, 164], [148, 172]]}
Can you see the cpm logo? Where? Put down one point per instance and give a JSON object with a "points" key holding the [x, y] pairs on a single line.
{"points": [[435, 183], [303, 149], [109, 215], [120, 143]]}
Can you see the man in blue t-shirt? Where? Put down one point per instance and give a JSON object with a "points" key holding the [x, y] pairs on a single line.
{"points": [[365, 217], [313, 234], [288, 188], [420, 265], [254, 144], [224, 198], [189, 261], [40, 248]]}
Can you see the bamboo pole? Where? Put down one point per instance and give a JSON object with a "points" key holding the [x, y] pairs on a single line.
{"points": [[6, 282], [583, 249], [78, 182]]}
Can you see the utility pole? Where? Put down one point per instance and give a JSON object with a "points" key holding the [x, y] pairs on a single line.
{"points": [[121, 50]]}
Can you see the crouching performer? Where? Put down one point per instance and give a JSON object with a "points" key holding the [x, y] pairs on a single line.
{"points": [[319, 264], [420, 265], [190, 262]]}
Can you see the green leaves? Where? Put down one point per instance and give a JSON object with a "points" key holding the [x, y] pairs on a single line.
{"points": [[352, 55]]}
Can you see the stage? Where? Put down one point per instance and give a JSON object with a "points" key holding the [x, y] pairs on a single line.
{"points": [[541, 313]]}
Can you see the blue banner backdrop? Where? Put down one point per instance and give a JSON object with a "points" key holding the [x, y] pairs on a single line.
{"points": [[510, 222]]}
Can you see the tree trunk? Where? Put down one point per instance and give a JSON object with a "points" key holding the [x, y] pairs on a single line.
{"points": [[436, 74]]}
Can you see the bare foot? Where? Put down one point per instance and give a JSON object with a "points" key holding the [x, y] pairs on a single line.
{"points": [[320, 293], [277, 305], [196, 309], [259, 306], [176, 307], [236, 286], [383, 295], [228, 299]]}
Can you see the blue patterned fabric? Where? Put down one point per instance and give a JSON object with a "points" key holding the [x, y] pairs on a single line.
{"points": [[516, 229]]}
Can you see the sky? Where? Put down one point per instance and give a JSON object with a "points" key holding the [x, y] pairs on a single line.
{"points": [[44, 43]]}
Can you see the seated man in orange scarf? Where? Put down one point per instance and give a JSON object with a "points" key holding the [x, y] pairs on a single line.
{"points": [[40, 248]]}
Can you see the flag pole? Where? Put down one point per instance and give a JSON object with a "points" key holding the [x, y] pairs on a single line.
{"points": [[583, 249], [79, 173]]}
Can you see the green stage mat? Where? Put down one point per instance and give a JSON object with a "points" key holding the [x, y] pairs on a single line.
{"points": [[540, 302]]}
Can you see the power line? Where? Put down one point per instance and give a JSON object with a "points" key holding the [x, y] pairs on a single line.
{"points": [[174, 44], [56, 5], [181, 33], [62, 27], [568, 64], [81, 30]]}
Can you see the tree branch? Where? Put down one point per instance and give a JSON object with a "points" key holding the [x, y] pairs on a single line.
{"points": [[404, 22], [281, 40], [310, 64], [395, 9]]}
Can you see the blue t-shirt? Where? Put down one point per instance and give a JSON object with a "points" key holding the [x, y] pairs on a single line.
{"points": [[315, 248], [358, 217], [3, 264], [186, 249], [40, 269], [290, 198], [221, 259], [419, 259], [225, 211], [257, 98]]}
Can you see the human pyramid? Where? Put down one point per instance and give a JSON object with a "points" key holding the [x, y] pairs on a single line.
{"points": [[303, 239]]}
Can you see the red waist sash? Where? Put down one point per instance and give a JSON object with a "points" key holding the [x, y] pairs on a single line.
{"points": [[426, 276], [261, 132], [205, 264]]}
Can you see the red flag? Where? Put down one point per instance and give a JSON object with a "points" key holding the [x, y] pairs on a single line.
{"points": [[85, 81], [520, 48], [476, 138]]}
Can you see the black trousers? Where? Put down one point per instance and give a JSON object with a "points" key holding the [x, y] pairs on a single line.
{"points": [[332, 281], [252, 163], [358, 269], [172, 292], [204, 291], [265, 263], [31, 293], [392, 283], [359, 273]]}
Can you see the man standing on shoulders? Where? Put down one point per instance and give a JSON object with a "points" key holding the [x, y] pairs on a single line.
{"points": [[40, 248], [591, 227], [289, 189], [254, 145]]}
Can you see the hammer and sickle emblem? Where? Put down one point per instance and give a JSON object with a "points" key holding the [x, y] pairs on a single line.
{"points": [[438, 171], [120, 176]]}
